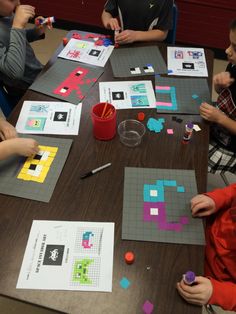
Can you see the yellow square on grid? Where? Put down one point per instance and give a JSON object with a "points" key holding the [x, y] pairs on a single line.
{"points": [[44, 163]]}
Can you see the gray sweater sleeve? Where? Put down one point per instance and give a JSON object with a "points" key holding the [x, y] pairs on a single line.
{"points": [[32, 35], [12, 55]]}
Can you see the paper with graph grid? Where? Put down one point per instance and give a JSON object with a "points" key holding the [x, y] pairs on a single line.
{"points": [[35, 177], [67, 80], [136, 61], [156, 206], [186, 61], [181, 95], [68, 255]]}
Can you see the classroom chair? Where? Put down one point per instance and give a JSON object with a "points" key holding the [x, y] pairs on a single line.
{"points": [[4, 102], [171, 37]]}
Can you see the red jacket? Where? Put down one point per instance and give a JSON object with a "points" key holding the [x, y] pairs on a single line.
{"points": [[220, 253]]}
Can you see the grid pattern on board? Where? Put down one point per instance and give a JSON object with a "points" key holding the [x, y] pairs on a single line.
{"points": [[189, 93], [177, 207], [9, 169], [67, 80], [85, 271], [122, 60], [88, 240]]}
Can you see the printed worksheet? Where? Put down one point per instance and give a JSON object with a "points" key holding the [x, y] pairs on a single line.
{"points": [[128, 94], [68, 255], [86, 52], [186, 61], [42, 117]]}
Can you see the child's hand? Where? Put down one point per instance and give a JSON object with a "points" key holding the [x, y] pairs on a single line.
{"points": [[202, 205], [199, 293], [40, 28], [125, 37], [113, 24], [7, 131], [24, 146], [22, 15], [210, 113], [222, 80]]}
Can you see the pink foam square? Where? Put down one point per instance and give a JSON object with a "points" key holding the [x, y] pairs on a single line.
{"points": [[170, 131]]}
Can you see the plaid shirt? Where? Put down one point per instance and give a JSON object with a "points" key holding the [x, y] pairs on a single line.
{"points": [[226, 102]]}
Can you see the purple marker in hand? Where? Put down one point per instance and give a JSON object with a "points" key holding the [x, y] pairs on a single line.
{"points": [[189, 277]]}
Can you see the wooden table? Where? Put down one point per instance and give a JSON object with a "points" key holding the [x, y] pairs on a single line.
{"points": [[100, 198]]}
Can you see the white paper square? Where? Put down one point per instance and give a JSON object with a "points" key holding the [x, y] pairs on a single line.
{"points": [[153, 193], [154, 211]]}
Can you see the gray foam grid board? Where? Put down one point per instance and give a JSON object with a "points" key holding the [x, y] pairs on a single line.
{"points": [[177, 205], [9, 169], [184, 89], [122, 59], [62, 74]]}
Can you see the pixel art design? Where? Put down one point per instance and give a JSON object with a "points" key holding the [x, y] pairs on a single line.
{"points": [[156, 206], [35, 124], [36, 168], [176, 94], [85, 271], [139, 101], [66, 80], [35, 178], [127, 62], [88, 241]]}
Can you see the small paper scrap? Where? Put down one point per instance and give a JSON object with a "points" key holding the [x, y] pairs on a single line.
{"points": [[196, 127]]}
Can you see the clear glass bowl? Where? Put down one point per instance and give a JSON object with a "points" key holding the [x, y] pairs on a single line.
{"points": [[131, 132]]}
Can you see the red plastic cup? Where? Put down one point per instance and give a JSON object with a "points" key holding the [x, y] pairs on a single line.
{"points": [[104, 121]]}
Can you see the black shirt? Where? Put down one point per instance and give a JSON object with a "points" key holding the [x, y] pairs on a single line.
{"points": [[142, 15]]}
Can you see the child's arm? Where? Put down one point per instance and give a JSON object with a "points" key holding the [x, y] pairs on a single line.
{"points": [[223, 198], [7, 131], [130, 36], [109, 21], [18, 146], [206, 204], [199, 294], [13, 53], [223, 294], [202, 205], [213, 114], [222, 80], [209, 291]]}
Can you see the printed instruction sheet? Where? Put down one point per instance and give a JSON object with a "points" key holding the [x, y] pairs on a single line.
{"points": [[41, 117], [186, 61], [68, 255]]}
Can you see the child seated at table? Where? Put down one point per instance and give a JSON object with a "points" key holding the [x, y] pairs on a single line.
{"points": [[139, 20], [219, 285], [13, 145], [222, 148], [18, 63]]}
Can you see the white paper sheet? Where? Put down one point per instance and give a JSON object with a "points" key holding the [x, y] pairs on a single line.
{"points": [[68, 255], [128, 94], [186, 61], [86, 52], [41, 117]]}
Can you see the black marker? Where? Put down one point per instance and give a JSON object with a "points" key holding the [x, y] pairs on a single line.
{"points": [[90, 173]]}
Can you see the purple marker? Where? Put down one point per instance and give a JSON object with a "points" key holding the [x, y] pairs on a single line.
{"points": [[189, 278]]}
